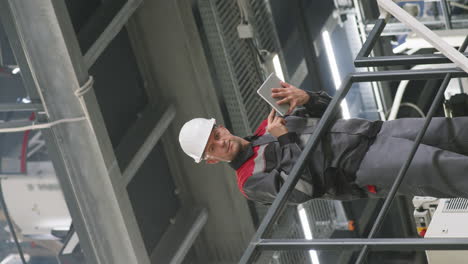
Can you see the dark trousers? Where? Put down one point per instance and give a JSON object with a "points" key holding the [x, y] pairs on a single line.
{"points": [[439, 168]]}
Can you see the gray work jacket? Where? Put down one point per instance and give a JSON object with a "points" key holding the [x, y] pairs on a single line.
{"points": [[263, 167]]}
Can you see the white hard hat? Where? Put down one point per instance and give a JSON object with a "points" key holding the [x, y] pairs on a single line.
{"points": [[194, 135]]}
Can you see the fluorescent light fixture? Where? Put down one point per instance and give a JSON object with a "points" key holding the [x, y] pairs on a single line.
{"points": [[15, 70], [334, 69], [307, 232], [278, 68]]}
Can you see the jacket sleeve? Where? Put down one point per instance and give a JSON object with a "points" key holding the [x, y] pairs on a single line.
{"points": [[263, 186], [316, 105]]}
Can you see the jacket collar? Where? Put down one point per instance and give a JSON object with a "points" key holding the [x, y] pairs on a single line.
{"points": [[242, 157]]}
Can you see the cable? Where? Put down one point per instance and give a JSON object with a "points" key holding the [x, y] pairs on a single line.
{"points": [[243, 12], [34, 126], [415, 107], [256, 50], [85, 88], [79, 93]]}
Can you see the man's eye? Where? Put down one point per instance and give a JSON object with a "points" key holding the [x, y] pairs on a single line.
{"points": [[217, 136]]}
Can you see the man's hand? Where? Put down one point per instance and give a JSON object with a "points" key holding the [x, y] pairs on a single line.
{"points": [[291, 95], [276, 125]]}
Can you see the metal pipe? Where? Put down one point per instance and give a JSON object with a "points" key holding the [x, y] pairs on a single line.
{"points": [[382, 244], [402, 60], [427, 74], [401, 174], [372, 39], [280, 201], [446, 13]]}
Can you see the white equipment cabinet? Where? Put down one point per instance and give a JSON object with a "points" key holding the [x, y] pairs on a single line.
{"points": [[449, 221], [36, 202]]}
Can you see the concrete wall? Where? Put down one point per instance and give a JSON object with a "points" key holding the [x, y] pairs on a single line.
{"points": [[171, 57]]}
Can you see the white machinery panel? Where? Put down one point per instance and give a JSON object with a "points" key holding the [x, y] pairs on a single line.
{"points": [[449, 221]]}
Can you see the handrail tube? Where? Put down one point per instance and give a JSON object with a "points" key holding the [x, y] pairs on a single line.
{"points": [[372, 38], [402, 173], [280, 201], [399, 75], [397, 60], [382, 244]]}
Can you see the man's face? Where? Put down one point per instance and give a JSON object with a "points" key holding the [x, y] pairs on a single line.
{"points": [[221, 146]]}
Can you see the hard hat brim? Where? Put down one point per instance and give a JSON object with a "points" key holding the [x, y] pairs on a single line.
{"points": [[205, 141]]}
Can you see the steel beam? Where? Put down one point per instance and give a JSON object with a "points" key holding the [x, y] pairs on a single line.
{"points": [[147, 145], [81, 151], [179, 238], [383, 244], [111, 31]]}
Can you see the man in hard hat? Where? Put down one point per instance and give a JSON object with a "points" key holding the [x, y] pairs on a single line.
{"points": [[356, 158]]}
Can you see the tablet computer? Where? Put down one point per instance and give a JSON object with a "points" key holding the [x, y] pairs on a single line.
{"points": [[265, 92]]}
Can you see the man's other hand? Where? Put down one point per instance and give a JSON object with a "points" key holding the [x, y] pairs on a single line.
{"points": [[291, 95], [276, 125]]}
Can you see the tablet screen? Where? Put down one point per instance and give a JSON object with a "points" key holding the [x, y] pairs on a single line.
{"points": [[265, 92]]}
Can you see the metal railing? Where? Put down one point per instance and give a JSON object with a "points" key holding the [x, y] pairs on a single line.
{"points": [[260, 243]]}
